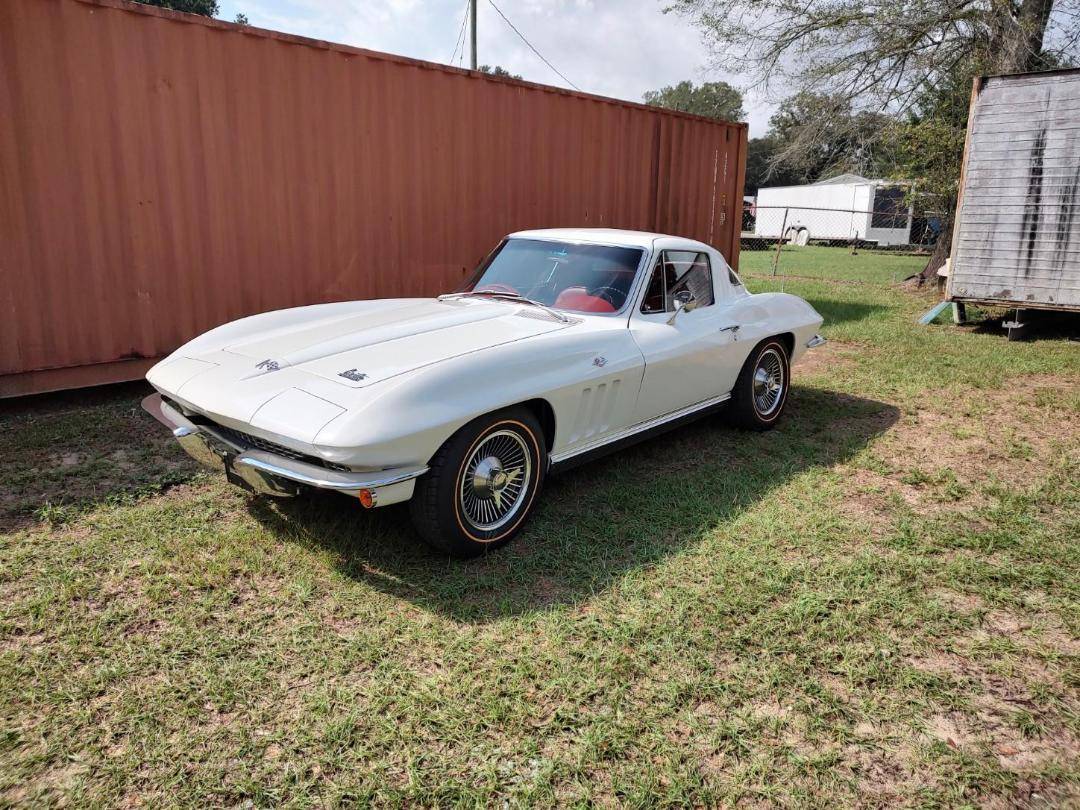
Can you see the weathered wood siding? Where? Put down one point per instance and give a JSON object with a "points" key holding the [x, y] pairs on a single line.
{"points": [[1017, 238]]}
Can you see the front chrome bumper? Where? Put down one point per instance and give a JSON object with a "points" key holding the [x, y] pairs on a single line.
{"points": [[815, 341], [271, 474]]}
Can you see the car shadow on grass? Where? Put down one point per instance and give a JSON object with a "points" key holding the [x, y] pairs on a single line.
{"points": [[835, 312], [597, 522], [65, 453]]}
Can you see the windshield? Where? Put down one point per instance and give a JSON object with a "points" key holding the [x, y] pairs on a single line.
{"points": [[574, 277]]}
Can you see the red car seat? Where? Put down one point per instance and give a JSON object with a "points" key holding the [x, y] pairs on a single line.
{"points": [[578, 298]]}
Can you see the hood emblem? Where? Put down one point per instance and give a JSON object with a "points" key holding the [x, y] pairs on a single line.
{"points": [[353, 374], [600, 361], [268, 365]]}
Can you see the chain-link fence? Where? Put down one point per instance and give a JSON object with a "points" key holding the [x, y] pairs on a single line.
{"points": [[801, 238]]}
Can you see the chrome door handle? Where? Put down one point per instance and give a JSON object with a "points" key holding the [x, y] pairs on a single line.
{"points": [[733, 328]]}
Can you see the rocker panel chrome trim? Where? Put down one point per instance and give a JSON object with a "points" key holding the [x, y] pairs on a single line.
{"points": [[640, 427]]}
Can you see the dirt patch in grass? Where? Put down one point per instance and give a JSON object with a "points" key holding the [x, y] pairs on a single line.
{"points": [[989, 729], [937, 461], [1007, 716], [824, 360]]}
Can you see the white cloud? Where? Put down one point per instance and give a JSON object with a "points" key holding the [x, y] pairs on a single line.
{"points": [[617, 48]]}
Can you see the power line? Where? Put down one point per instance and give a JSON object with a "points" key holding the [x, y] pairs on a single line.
{"points": [[460, 43], [522, 36]]}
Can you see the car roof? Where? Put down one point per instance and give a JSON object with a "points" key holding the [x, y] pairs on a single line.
{"points": [[609, 236]]}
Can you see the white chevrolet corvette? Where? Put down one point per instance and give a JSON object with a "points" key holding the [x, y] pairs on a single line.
{"points": [[564, 344]]}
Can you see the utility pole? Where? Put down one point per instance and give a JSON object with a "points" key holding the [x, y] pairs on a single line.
{"points": [[472, 29]]}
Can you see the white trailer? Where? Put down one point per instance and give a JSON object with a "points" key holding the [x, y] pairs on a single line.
{"points": [[839, 208]]}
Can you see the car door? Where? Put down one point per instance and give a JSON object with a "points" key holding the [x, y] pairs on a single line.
{"points": [[688, 354]]}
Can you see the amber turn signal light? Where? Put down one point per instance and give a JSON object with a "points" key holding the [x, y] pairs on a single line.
{"points": [[367, 500]]}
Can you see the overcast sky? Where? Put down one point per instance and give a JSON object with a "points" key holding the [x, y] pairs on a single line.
{"points": [[617, 48]]}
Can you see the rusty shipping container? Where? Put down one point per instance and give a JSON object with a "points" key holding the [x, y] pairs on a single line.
{"points": [[1017, 237], [162, 173]]}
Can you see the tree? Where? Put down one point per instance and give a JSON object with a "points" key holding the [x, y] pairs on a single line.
{"points": [[242, 19], [885, 56], [495, 70], [927, 147], [818, 135], [713, 100], [762, 168], [881, 53], [812, 137], [205, 8]]}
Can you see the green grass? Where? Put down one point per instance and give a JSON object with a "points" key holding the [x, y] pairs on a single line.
{"points": [[812, 261], [875, 604]]}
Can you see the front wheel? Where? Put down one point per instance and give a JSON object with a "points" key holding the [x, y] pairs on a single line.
{"points": [[761, 390], [482, 484]]}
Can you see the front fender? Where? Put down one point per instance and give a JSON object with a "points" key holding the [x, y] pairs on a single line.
{"points": [[406, 420]]}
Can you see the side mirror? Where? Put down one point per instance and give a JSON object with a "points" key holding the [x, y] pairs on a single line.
{"points": [[684, 302]]}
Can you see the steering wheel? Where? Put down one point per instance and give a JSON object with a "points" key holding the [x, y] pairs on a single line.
{"points": [[496, 287], [612, 295]]}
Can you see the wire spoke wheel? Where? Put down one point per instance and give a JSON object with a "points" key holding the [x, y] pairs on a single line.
{"points": [[768, 382], [496, 480]]}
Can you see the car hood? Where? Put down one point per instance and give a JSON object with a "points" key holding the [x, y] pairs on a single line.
{"points": [[363, 348], [283, 368]]}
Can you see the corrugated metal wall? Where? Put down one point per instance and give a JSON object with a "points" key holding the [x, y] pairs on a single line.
{"points": [[1017, 237], [162, 174]]}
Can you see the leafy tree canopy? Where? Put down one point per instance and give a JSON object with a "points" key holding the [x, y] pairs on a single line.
{"points": [[713, 100], [881, 54], [814, 136], [205, 8], [496, 70]]}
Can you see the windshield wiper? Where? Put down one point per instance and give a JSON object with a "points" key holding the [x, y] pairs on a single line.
{"points": [[507, 296]]}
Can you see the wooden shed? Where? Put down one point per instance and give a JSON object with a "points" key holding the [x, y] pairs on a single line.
{"points": [[1017, 235]]}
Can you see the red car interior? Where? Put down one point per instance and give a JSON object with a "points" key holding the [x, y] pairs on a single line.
{"points": [[578, 298]]}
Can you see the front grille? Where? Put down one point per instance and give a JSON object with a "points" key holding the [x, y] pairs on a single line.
{"points": [[248, 442]]}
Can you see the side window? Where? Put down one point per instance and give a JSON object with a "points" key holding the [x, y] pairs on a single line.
{"points": [[654, 294], [675, 271]]}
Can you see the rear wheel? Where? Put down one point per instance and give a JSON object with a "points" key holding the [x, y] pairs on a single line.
{"points": [[482, 484], [760, 392]]}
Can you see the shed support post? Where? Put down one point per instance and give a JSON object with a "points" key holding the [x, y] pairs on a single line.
{"points": [[1016, 327]]}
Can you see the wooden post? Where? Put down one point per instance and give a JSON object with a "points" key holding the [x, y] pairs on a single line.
{"points": [[779, 243]]}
